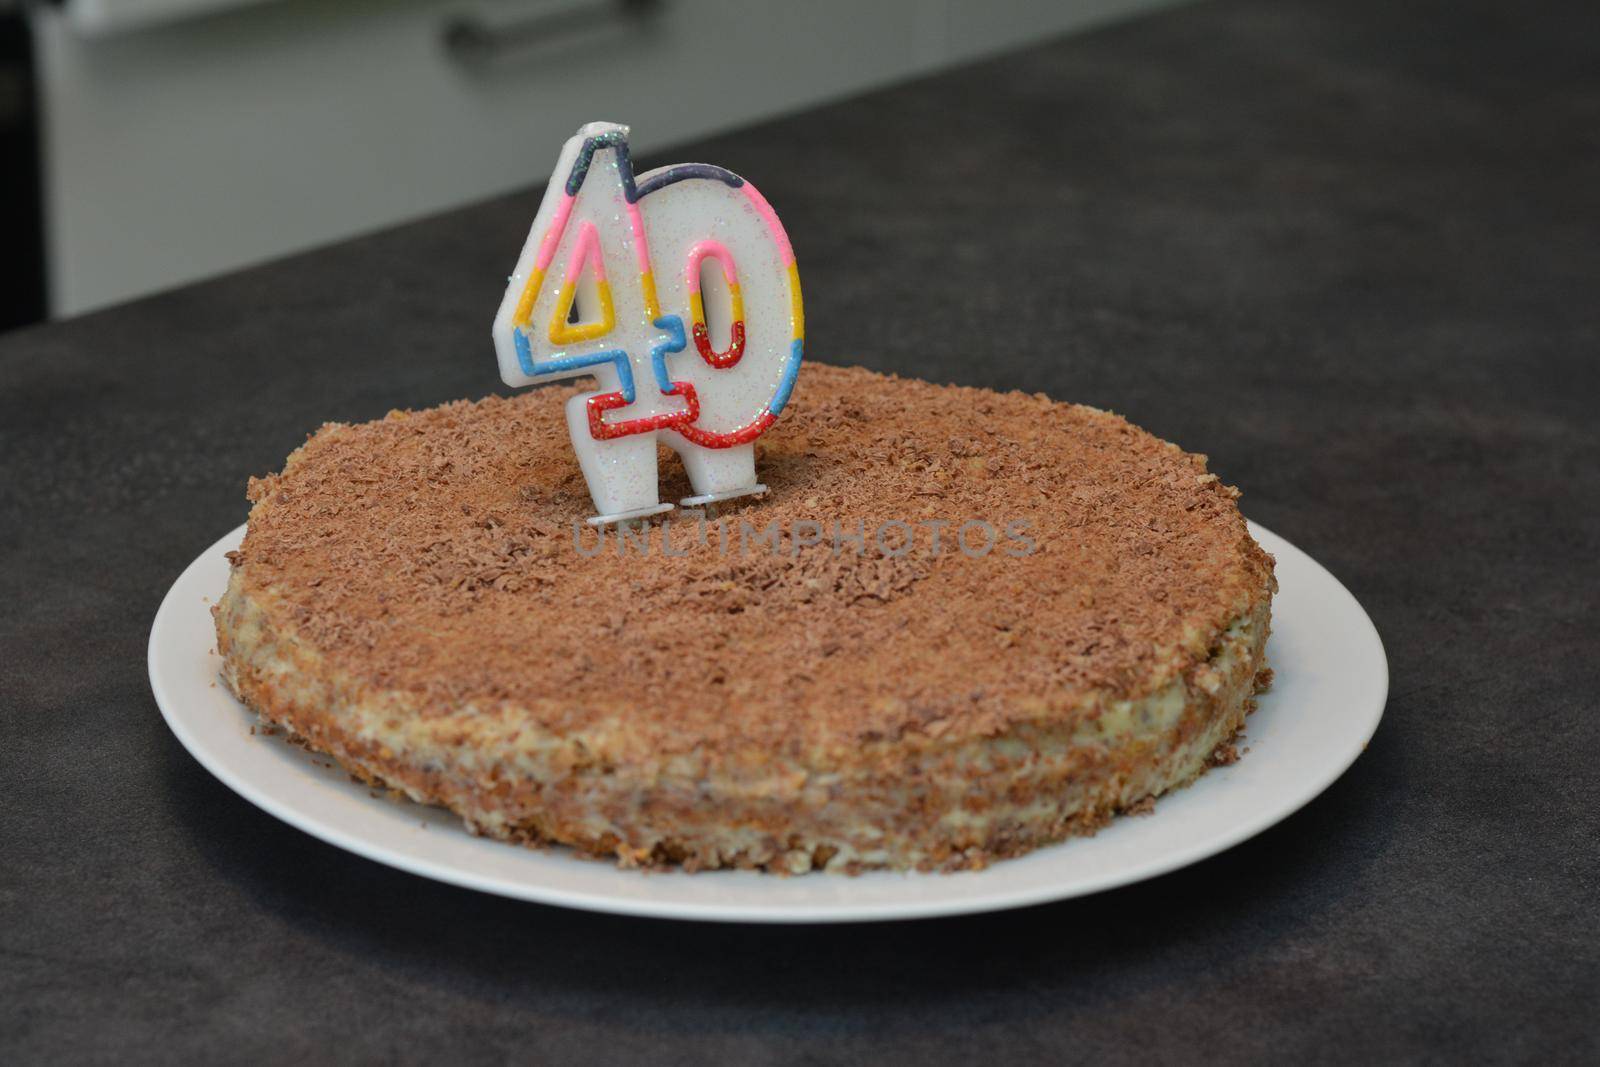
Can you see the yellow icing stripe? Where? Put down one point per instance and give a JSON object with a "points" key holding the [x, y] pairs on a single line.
{"points": [[797, 311], [697, 305], [652, 306], [530, 293], [564, 333]]}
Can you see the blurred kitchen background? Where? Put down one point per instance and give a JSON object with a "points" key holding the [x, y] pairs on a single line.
{"points": [[149, 143]]}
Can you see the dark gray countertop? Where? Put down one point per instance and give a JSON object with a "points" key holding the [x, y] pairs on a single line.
{"points": [[1350, 250]]}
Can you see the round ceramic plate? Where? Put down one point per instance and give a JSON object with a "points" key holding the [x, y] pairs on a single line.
{"points": [[1332, 680]]}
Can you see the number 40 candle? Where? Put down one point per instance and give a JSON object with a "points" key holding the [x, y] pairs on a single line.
{"points": [[677, 290]]}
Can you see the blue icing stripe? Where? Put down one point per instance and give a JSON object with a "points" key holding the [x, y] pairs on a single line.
{"points": [[615, 356], [615, 139], [791, 371], [684, 172], [673, 342], [580, 168]]}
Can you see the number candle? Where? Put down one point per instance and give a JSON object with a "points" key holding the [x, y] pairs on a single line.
{"points": [[627, 279]]}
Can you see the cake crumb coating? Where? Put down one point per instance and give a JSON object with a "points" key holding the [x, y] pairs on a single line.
{"points": [[414, 598]]}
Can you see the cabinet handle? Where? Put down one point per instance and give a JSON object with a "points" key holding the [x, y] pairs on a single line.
{"points": [[471, 39]]}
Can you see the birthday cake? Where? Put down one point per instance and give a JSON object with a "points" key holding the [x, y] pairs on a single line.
{"points": [[960, 625]]}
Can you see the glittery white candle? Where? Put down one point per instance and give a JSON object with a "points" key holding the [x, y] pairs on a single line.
{"points": [[643, 258]]}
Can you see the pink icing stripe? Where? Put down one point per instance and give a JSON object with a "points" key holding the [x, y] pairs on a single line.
{"points": [[588, 247], [640, 249], [552, 236], [718, 251], [770, 217]]}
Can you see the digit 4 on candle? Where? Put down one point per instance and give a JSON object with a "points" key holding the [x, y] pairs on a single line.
{"points": [[586, 298]]}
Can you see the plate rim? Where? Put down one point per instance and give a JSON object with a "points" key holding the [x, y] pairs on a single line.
{"points": [[166, 696]]}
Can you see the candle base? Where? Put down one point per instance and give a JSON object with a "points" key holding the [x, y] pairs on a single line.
{"points": [[624, 516], [717, 498]]}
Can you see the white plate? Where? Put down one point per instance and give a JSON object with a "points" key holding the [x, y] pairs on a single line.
{"points": [[1332, 680]]}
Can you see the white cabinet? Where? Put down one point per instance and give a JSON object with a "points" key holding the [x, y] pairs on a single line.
{"points": [[182, 147]]}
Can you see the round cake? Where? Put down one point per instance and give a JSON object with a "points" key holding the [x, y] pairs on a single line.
{"points": [[962, 624]]}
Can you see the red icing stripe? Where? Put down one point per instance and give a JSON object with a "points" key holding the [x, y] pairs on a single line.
{"points": [[681, 421], [720, 360], [601, 430], [742, 436]]}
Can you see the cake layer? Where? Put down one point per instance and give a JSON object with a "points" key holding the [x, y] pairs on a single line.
{"points": [[961, 624]]}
